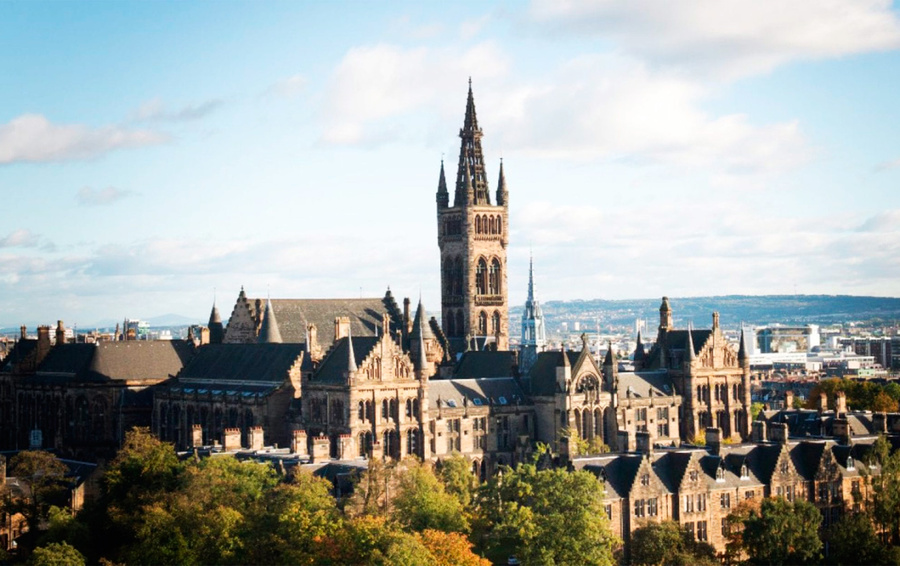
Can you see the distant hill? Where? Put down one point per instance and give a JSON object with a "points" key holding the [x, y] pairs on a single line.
{"points": [[733, 309]]}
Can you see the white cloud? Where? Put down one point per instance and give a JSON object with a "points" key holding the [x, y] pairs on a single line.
{"points": [[613, 107], [374, 83], [33, 138], [887, 221], [289, 87], [728, 38], [88, 196], [21, 238], [155, 110]]}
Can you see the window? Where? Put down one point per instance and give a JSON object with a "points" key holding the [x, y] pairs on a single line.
{"points": [[701, 502], [694, 475], [725, 529], [720, 474], [701, 531], [652, 507], [725, 500], [745, 473], [662, 429], [645, 479], [689, 527], [662, 414], [608, 509], [640, 414], [482, 323], [784, 467], [749, 494], [638, 507], [480, 278]]}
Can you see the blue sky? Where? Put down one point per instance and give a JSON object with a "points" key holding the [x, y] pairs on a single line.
{"points": [[154, 155]]}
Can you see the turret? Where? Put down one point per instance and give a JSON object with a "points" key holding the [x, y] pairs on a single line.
{"points": [[502, 192], [216, 329], [639, 353], [665, 315], [689, 355], [611, 368], [60, 332], [268, 331], [443, 197]]}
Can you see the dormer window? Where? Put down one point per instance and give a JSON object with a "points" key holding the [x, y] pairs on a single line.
{"points": [[851, 465], [720, 474], [745, 473]]}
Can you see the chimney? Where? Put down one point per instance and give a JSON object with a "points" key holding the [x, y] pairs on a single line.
{"points": [[346, 447], [257, 438], [823, 402], [196, 436], [204, 335], [788, 400], [231, 439], [341, 327], [43, 342], [642, 443], [298, 443], [60, 332], [23, 332], [759, 431], [407, 322], [714, 440], [778, 433], [840, 428], [840, 404]]}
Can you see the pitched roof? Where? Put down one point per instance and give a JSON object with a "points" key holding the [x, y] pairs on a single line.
{"points": [[678, 339], [642, 383], [244, 362], [477, 392], [543, 373], [24, 347], [485, 364], [332, 368], [134, 360], [294, 315]]}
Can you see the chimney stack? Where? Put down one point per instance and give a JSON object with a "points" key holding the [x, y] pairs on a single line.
{"points": [[788, 400], [714, 440], [341, 327]]}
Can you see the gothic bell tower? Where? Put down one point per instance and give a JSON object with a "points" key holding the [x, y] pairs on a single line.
{"points": [[473, 235]]}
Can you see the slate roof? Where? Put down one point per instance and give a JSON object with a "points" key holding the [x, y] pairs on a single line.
{"points": [[543, 373], [244, 362], [617, 472], [135, 360], [485, 364], [643, 382], [332, 368], [810, 422], [23, 348], [677, 339], [293, 315], [476, 392]]}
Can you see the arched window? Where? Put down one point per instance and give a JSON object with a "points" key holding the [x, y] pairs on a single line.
{"points": [[450, 324], [499, 225], [384, 409], [448, 276], [478, 224], [480, 277], [496, 322], [460, 324], [482, 323], [415, 405], [492, 230], [494, 280], [362, 411], [412, 441]]}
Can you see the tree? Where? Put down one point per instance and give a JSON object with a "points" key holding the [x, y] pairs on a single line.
{"points": [[885, 504], [306, 515], [755, 409], [547, 517], [884, 403], [852, 540], [782, 532], [56, 554], [372, 539], [450, 549], [43, 475], [422, 503], [456, 475], [668, 543]]}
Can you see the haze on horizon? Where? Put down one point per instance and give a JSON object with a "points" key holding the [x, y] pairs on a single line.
{"points": [[154, 156]]}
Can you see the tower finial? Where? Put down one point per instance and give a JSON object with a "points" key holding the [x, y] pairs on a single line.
{"points": [[690, 356], [351, 357]]}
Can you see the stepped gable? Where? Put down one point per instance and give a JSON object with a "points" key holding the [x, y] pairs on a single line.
{"points": [[23, 350], [245, 362], [333, 367]]}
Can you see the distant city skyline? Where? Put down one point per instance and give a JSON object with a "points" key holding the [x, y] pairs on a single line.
{"points": [[155, 156]]}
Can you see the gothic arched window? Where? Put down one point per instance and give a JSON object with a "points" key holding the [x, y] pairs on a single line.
{"points": [[457, 277], [499, 225], [496, 322], [448, 276], [478, 224], [460, 324], [494, 279], [482, 323], [480, 276]]}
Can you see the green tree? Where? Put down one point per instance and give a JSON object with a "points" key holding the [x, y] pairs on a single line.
{"points": [[372, 539], [56, 554], [885, 503], [43, 475], [306, 515], [668, 543], [422, 503], [852, 540], [755, 409], [782, 532], [458, 479], [547, 517]]}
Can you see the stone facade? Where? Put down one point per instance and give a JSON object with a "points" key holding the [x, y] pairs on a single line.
{"points": [[473, 235]]}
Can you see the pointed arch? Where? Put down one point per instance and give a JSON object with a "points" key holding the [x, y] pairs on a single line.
{"points": [[482, 324], [494, 279], [495, 322], [481, 277], [478, 224]]}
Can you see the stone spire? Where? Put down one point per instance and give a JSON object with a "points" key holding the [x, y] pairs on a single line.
{"points": [[742, 350], [610, 360], [422, 354], [268, 332], [421, 329], [351, 357], [639, 352], [471, 159], [443, 197], [689, 355], [216, 329], [502, 192]]}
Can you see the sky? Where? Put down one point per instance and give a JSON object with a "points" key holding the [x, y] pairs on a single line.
{"points": [[157, 156]]}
